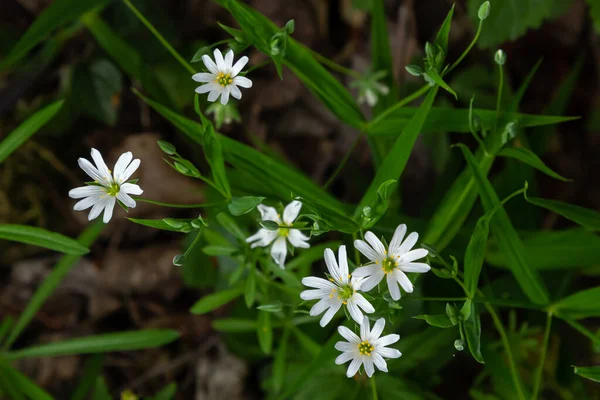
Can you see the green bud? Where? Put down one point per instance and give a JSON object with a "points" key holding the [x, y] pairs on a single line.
{"points": [[414, 70], [459, 344], [167, 147], [484, 11], [182, 169], [173, 223], [178, 260], [367, 212], [269, 225], [430, 52], [290, 26], [500, 57]]}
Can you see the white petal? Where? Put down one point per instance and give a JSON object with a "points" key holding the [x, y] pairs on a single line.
{"points": [[377, 329], [229, 60], [207, 87], [262, 238], [389, 353], [131, 188], [403, 281], [126, 200], [369, 368], [366, 250], [319, 283], [365, 328], [354, 311], [328, 316], [408, 244], [100, 164], [242, 81], [392, 283], [219, 60], [387, 340], [415, 267], [366, 271], [343, 358], [314, 294], [108, 209], [97, 208], [86, 203], [320, 306], [376, 244], [343, 263], [92, 171], [239, 65], [379, 362], [348, 335], [353, 367], [225, 97], [372, 281], [121, 165], [363, 303], [130, 170], [397, 239], [268, 213], [86, 191], [370, 97], [204, 77], [210, 64], [298, 239], [235, 92], [413, 255], [346, 347], [279, 251], [291, 211], [214, 94], [332, 266]]}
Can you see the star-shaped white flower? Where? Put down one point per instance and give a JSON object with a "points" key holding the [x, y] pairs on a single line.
{"points": [[368, 350], [222, 78], [392, 263], [265, 237], [108, 187], [339, 290]]}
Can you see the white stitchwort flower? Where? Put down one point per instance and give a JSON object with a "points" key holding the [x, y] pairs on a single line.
{"points": [[368, 350], [222, 78], [392, 263], [265, 237], [108, 187], [339, 290]]}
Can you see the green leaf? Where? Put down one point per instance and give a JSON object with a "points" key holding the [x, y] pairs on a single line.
{"points": [[250, 289], [101, 391], [584, 304], [234, 325], [51, 282], [585, 217], [279, 364], [57, 14], [272, 308], [299, 59], [440, 321], [393, 165], [5, 326], [444, 119], [591, 373], [27, 129], [166, 147], [381, 55], [214, 154], [435, 76], [91, 371], [264, 331], [7, 386], [219, 250], [94, 88], [41, 238], [215, 300], [26, 386], [120, 341], [441, 38], [243, 205], [472, 327], [465, 310], [510, 19], [528, 157], [182, 225], [507, 237]]}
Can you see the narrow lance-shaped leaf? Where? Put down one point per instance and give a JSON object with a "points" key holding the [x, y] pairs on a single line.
{"points": [[214, 153], [585, 217], [24, 384], [584, 304], [443, 34], [381, 54], [243, 205], [120, 341], [472, 327], [213, 301], [591, 373], [440, 321], [279, 364], [264, 331], [42, 238], [393, 165], [27, 129], [528, 157], [507, 237]]}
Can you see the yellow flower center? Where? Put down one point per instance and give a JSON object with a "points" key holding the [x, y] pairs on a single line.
{"points": [[388, 265], [343, 293], [113, 190], [224, 79], [365, 348]]}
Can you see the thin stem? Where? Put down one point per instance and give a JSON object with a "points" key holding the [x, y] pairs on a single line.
{"points": [[373, 387], [511, 361], [160, 37], [499, 97], [257, 66], [540, 371], [468, 49], [401, 103], [344, 161], [356, 254], [196, 239], [581, 329], [160, 203], [335, 66]]}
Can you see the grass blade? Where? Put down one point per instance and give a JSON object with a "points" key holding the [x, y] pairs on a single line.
{"points": [[528, 157], [41, 238]]}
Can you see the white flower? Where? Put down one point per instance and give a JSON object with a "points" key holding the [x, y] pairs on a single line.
{"points": [[392, 263], [337, 291], [265, 237], [107, 188], [368, 350], [222, 79]]}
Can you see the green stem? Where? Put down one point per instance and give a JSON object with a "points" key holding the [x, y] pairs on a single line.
{"points": [[581, 329], [499, 97], [160, 37], [468, 49], [540, 371], [344, 161], [401, 103], [257, 66], [373, 387], [335, 66]]}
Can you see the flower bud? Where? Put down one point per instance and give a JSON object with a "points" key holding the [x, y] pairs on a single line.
{"points": [[414, 70], [484, 10], [500, 57]]}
